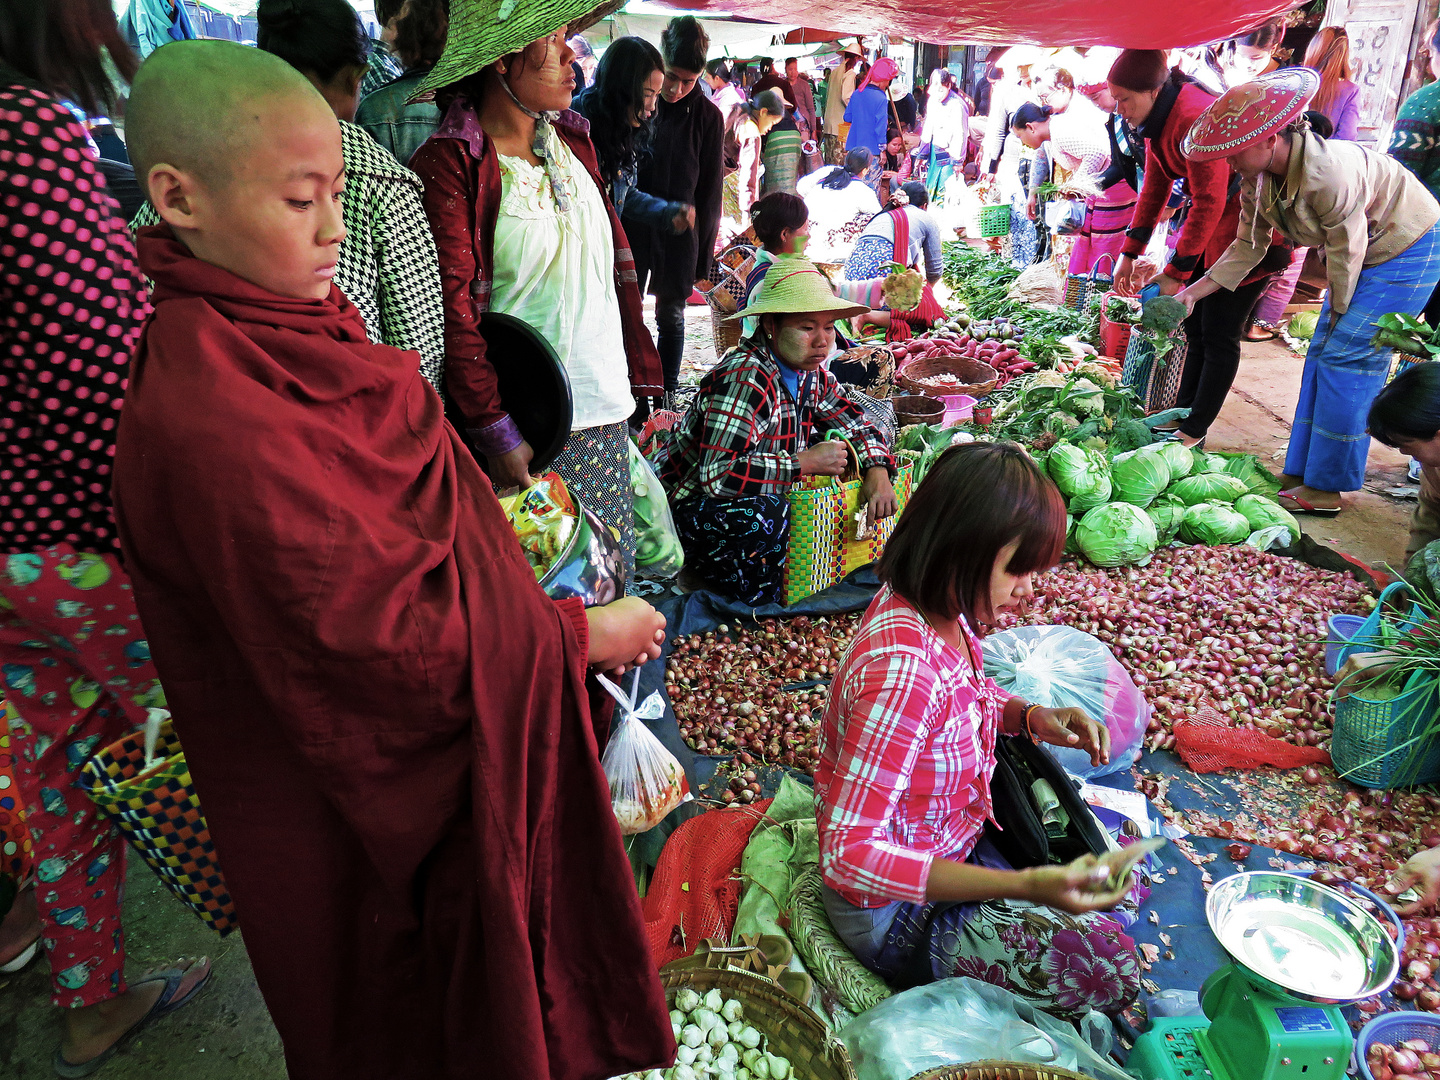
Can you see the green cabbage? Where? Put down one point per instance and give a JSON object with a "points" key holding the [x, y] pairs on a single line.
{"points": [[1138, 477], [1081, 474], [1116, 534], [1179, 457], [1166, 512], [1213, 523], [1303, 324], [1208, 487], [1262, 513], [1071, 548], [1209, 462], [1246, 468]]}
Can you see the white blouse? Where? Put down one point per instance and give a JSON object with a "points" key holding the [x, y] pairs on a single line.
{"points": [[556, 271]]}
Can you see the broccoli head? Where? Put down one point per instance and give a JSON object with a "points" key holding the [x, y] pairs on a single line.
{"points": [[1162, 316]]}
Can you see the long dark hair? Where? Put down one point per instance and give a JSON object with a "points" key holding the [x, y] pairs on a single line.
{"points": [[59, 45], [616, 97], [856, 162], [941, 560], [420, 29], [1408, 410], [316, 37]]}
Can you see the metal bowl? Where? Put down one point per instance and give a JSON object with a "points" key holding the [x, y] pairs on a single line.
{"points": [[1302, 936], [591, 567]]}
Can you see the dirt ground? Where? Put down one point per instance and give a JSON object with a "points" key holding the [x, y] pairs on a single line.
{"points": [[226, 1033]]}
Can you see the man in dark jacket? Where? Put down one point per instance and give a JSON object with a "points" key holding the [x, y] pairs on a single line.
{"points": [[686, 167]]}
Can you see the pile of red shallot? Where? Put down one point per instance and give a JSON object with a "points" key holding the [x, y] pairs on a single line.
{"points": [[1231, 626], [1413, 1059], [728, 688]]}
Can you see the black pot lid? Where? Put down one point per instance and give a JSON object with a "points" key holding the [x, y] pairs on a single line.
{"points": [[532, 384]]}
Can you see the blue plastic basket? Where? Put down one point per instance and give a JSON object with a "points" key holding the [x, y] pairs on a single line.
{"points": [[1367, 637], [1393, 1028], [1342, 629]]}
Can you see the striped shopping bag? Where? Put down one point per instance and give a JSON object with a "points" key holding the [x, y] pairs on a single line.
{"points": [[823, 548], [143, 784]]}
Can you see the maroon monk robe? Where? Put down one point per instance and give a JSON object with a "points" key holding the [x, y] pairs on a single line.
{"points": [[385, 717]]}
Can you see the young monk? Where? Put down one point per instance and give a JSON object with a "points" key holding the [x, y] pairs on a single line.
{"points": [[386, 718]]}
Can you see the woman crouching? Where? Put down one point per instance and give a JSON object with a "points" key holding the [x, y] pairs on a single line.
{"points": [[908, 746], [731, 463]]}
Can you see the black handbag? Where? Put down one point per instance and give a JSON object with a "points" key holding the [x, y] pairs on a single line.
{"points": [[1021, 836]]}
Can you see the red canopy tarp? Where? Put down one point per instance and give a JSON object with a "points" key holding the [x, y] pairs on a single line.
{"points": [[1131, 24]]}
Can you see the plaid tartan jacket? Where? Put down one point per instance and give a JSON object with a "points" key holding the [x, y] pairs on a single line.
{"points": [[742, 435]]}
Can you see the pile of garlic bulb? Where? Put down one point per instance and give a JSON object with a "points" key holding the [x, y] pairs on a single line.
{"points": [[716, 1043]]}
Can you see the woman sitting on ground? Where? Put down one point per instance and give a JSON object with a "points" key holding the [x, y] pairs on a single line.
{"points": [[908, 746], [891, 168], [756, 427], [906, 233], [620, 106], [841, 203], [781, 223]]}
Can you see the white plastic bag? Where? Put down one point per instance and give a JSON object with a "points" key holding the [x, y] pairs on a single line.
{"points": [[1059, 666], [959, 1020], [646, 780], [657, 541]]}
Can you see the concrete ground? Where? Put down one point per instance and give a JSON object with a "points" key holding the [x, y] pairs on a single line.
{"points": [[226, 1034]]}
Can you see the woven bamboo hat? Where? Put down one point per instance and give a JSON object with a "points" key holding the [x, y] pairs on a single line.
{"points": [[794, 287], [482, 31], [1249, 113]]}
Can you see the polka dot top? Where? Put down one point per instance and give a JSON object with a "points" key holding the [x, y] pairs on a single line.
{"points": [[72, 304]]}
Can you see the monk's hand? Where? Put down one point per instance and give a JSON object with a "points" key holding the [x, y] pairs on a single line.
{"points": [[623, 635], [512, 468], [1071, 727]]}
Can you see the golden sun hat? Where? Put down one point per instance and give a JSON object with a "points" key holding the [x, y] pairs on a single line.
{"points": [[482, 31], [795, 287]]}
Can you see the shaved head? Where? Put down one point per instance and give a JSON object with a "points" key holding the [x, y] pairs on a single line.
{"points": [[200, 105]]}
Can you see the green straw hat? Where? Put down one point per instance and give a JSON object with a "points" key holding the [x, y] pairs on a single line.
{"points": [[482, 31], [794, 287]]}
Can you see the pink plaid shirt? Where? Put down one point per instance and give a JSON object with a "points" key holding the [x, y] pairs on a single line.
{"points": [[907, 748]]}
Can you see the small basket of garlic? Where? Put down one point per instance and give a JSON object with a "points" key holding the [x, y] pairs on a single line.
{"points": [[738, 1025]]}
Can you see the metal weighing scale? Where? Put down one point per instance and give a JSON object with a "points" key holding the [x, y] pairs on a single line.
{"points": [[1301, 949]]}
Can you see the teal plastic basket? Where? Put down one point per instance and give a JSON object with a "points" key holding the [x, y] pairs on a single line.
{"points": [[1370, 636], [1378, 744]]}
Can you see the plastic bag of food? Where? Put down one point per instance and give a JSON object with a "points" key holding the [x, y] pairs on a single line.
{"points": [[657, 541], [646, 780], [1059, 667], [543, 517]]}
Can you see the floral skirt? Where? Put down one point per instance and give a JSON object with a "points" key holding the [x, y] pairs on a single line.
{"points": [[595, 465], [871, 259], [1063, 964]]}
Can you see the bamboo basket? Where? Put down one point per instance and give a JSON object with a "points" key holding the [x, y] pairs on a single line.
{"points": [[998, 1070], [977, 378], [791, 1030], [918, 409]]}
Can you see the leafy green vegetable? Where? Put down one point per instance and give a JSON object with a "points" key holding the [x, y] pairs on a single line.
{"points": [[1262, 513], [1116, 534], [1160, 318], [1177, 455], [1207, 487], [1303, 324], [1082, 475], [1213, 523], [1166, 512], [1138, 477], [1246, 468]]}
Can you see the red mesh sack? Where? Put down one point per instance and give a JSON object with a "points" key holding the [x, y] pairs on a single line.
{"points": [[1208, 743], [658, 421], [695, 890]]}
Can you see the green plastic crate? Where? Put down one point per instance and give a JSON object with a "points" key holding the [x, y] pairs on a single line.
{"points": [[995, 221]]}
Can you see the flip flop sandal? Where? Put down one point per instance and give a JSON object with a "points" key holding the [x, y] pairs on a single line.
{"points": [[1304, 507], [1264, 335], [164, 1005], [21, 962]]}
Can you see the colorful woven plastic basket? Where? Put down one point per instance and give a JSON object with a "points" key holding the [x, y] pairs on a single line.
{"points": [[1156, 383], [152, 799]]}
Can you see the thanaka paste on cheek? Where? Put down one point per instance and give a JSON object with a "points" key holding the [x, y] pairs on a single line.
{"points": [[792, 345]]}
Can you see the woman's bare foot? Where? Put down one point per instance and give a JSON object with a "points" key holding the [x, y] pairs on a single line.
{"points": [[92, 1030], [20, 928], [1287, 481]]}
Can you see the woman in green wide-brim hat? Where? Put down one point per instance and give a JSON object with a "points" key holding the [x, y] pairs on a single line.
{"points": [[518, 208], [756, 428]]}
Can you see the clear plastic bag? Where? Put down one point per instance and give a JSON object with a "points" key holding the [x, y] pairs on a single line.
{"points": [[1059, 666], [959, 1020], [646, 780], [657, 541]]}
